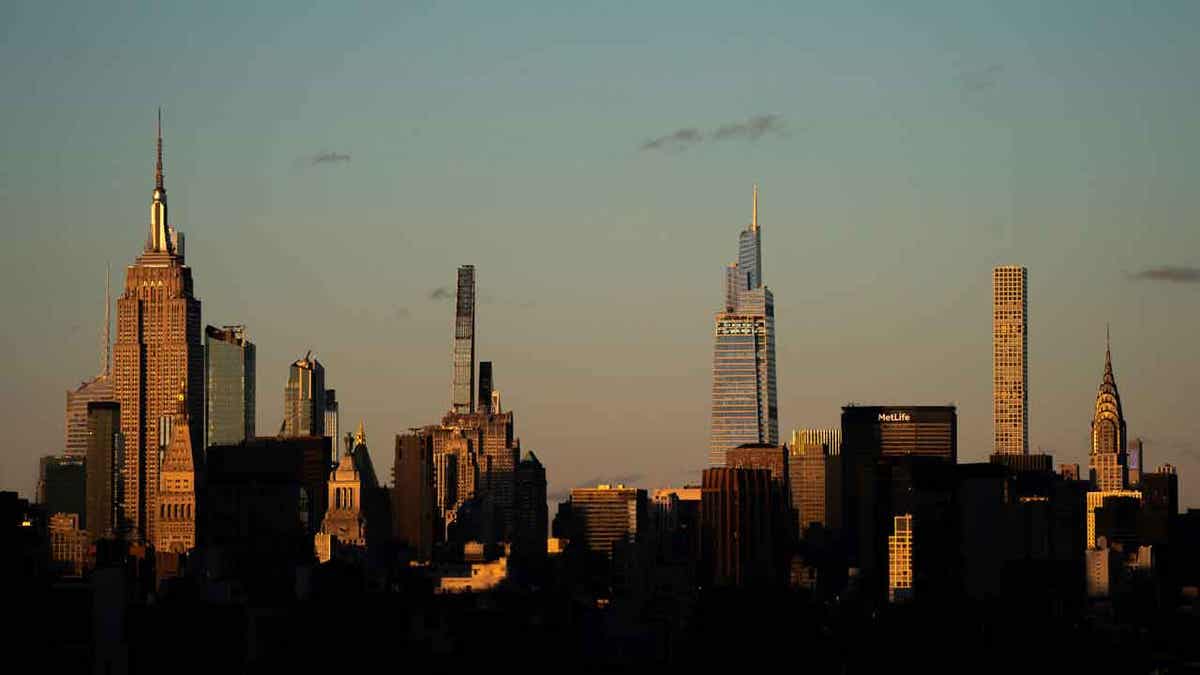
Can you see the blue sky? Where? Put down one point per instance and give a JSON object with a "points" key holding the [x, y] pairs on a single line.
{"points": [[911, 151]]}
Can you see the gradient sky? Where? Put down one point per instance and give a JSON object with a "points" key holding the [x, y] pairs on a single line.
{"points": [[912, 152]]}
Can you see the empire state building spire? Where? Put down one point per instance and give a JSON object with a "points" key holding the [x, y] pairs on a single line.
{"points": [[159, 240]]}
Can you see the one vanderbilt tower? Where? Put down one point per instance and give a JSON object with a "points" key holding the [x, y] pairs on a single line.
{"points": [[158, 353], [744, 398]]}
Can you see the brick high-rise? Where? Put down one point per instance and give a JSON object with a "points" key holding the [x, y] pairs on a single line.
{"points": [[159, 346]]}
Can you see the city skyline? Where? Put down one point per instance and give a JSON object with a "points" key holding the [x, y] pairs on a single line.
{"points": [[851, 328]]}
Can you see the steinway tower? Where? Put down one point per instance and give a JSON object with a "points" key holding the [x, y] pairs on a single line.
{"points": [[158, 347]]}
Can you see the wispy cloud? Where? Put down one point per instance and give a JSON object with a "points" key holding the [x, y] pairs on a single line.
{"points": [[441, 293], [326, 157], [400, 313], [1173, 273], [750, 130], [674, 141]]}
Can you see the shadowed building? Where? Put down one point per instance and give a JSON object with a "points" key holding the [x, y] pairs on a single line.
{"points": [[304, 399], [1010, 360], [64, 480], [331, 422], [744, 395], [344, 526], [1109, 463], [608, 514], [738, 508], [414, 506], [531, 517], [229, 366], [159, 343], [99, 388], [104, 449]]}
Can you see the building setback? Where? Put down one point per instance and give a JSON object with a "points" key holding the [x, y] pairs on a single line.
{"points": [[159, 345]]}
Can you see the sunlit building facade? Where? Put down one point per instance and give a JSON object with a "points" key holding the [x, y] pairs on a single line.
{"points": [[900, 559], [229, 367], [607, 514], [304, 399], [744, 391], [1108, 459], [159, 344], [1010, 360]]}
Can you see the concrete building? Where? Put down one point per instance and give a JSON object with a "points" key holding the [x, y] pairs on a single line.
{"points": [[68, 544], [807, 463], [1010, 360]]}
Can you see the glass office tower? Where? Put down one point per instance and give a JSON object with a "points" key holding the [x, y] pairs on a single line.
{"points": [[229, 385]]}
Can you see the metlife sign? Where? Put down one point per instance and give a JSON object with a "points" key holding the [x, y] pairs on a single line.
{"points": [[895, 416]]}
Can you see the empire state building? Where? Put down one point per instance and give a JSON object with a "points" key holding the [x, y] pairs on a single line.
{"points": [[158, 347]]}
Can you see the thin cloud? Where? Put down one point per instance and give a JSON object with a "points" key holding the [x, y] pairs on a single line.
{"points": [[441, 293], [750, 130], [330, 158], [400, 313], [675, 141], [1172, 273]]}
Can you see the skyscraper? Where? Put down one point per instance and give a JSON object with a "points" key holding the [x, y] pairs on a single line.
{"points": [[159, 344], [738, 511], [413, 501], [304, 399], [98, 388], [807, 465], [531, 517], [744, 396], [831, 438], [331, 421], [462, 395], [1010, 360], [229, 381], [105, 446], [1109, 466]]}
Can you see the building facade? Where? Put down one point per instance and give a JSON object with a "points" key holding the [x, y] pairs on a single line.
{"points": [[807, 463], [744, 390], [900, 559], [1108, 459], [608, 514], [304, 399], [104, 461], [331, 421], [229, 385], [413, 503], [1010, 360], [737, 511], [830, 437], [462, 395], [175, 531], [159, 343]]}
